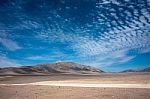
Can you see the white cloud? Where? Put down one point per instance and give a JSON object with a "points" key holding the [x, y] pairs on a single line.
{"points": [[9, 44], [55, 55], [6, 62], [102, 60], [38, 58], [125, 31]]}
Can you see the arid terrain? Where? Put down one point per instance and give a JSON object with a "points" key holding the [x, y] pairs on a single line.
{"points": [[100, 86], [74, 49]]}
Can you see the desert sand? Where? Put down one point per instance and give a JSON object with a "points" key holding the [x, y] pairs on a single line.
{"points": [[102, 86]]}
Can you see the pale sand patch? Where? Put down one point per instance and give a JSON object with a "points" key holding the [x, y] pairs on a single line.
{"points": [[82, 84]]}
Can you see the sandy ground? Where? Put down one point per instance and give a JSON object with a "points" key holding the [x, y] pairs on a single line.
{"points": [[81, 84], [50, 92], [103, 86]]}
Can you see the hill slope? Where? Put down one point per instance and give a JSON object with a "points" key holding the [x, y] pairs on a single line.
{"points": [[55, 68], [141, 70]]}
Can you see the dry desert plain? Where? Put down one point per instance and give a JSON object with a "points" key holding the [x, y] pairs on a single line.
{"points": [[100, 86]]}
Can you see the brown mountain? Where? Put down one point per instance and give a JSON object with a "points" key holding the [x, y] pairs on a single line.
{"points": [[145, 69], [141, 70], [128, 70], [55, 68]]}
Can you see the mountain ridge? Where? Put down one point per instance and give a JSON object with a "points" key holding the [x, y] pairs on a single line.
{"points": [[54, 68], [147, 69]]}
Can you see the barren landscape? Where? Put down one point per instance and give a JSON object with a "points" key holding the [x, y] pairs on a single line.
{"points": [[100, 86], [74, 49]]}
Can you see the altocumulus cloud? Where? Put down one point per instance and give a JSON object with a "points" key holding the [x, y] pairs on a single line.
{"points": [[96, 32], [6, 62]]}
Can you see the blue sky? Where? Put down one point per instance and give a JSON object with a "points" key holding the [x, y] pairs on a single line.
{"points": [[112, 35]]}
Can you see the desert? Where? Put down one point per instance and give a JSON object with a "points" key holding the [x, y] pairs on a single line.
{"points": [[63, 86], [74, 49]]}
